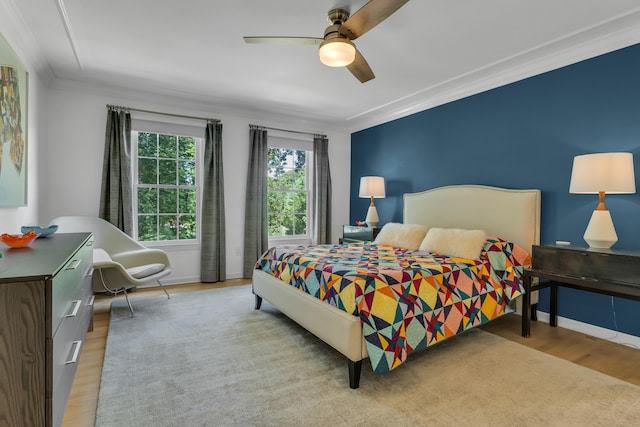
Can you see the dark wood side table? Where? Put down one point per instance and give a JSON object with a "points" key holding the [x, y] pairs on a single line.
{"points": [[614, 272], [355, 233]]}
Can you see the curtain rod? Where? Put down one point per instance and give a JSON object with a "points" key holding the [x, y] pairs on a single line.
{"points": [[164, 114], [287, 130]]}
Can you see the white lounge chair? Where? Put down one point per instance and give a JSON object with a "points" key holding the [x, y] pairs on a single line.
{"points": [[119, 262]]}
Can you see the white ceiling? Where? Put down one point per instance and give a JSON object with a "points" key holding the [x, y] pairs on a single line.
{"points": [[427, 53]]}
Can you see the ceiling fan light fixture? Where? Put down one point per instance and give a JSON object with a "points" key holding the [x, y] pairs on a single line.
{"points": [[338, 52]]}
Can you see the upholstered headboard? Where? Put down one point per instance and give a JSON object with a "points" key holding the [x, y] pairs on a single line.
{"points": [[513, 215]]}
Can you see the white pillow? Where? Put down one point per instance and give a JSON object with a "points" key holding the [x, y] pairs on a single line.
{"points": [[405, 236], [454, 242]]}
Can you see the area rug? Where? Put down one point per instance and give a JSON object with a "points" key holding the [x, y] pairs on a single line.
{"points": [[208, 358]]}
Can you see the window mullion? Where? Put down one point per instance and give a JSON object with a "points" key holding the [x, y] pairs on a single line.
{"points": [[286, 197], [163, 153]]}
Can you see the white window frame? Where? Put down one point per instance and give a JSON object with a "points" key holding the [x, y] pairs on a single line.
{"points": [[166, 128], [298, 142]]}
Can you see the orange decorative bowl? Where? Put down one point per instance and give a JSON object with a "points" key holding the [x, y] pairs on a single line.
{"points": [[18, 240]]}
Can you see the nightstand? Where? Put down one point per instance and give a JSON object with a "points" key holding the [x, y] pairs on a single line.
{"points": [[614, 272], [354, 233]]}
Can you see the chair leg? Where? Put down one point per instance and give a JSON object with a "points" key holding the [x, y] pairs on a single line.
{"points": [[115, 292], [104, 284], [126, 296], [164, 289]]}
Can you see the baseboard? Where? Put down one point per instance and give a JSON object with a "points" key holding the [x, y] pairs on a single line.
{"points": [[594, 331], [171, 280]]}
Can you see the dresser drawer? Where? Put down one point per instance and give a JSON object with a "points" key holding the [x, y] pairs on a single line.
{"points": [[67, 285], [67, 348], [66, 355], [599, 265], [72, 328]]}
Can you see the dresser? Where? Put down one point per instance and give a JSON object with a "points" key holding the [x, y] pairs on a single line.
{"points": [[46, 308]]}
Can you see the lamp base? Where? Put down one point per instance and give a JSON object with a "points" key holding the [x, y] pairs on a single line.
{"points": [[600, 232], [372, 219]]}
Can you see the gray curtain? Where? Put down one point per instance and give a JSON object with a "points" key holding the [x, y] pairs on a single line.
{"points": [[255, 216], [321, 191], [213, 249], [115, 195]]}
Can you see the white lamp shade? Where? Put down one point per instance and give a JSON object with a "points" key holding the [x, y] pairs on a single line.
{"points": [[602, 173], [372, 186], [611, 173], [337, 52]]}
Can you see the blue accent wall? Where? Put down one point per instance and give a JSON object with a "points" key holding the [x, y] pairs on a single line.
{"points": [[522, 135]]}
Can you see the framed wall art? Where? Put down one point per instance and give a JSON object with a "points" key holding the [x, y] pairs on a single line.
{"points": [[14, 86]]}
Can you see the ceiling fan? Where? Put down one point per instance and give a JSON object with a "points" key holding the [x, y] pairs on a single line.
{"points": [[336, 47]]}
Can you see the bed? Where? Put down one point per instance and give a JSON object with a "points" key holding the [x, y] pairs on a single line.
{"points": [[512, 215]]}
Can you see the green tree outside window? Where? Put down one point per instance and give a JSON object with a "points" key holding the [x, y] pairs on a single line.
{"points": [[287, 192], [166, 187]]}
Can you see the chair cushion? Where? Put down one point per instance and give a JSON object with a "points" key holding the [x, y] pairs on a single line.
{"points": [[146, 270], [100, 256]]}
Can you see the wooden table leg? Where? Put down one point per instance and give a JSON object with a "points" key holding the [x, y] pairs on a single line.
{"points": [[553, 305], [526, 303]]}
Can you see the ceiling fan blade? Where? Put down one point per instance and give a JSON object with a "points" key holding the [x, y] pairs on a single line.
{"points": [[360, 68], [283, 40], [368, 16]]}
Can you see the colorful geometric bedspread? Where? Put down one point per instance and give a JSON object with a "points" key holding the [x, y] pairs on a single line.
{"points": [[406, 300]]}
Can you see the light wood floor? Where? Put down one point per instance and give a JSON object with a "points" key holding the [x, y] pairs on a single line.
{"points": [[612, 359]]}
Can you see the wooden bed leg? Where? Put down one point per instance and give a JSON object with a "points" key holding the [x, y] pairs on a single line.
{"points": [[534, 312], [354, 373], [258, 301]]}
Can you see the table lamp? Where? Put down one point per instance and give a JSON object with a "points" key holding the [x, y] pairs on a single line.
{"points": [[602, 173], [372, 186]]}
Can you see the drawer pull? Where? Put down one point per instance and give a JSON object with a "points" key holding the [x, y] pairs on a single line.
{"points": [[73, 264], [76, 352], [91, 301], [74, 313]]}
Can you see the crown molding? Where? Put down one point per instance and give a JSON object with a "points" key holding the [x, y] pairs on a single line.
{"points": [[618, 33], [188, 104], [605, 37], [23, 42], [66, 23]]}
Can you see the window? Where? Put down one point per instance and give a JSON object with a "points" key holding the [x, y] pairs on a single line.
{"points": [[288, 192], [166, 187]]}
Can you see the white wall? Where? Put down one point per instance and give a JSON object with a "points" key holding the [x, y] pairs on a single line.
{"points": [[12, 218], [75, 138]]}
